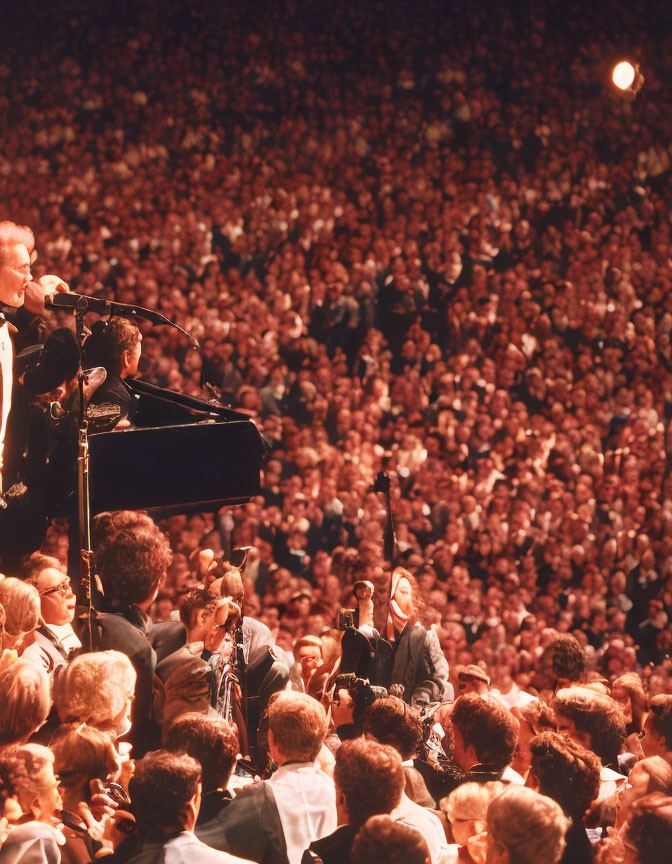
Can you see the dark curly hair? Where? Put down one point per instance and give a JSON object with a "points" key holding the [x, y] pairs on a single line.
{"points": [[488, 726], [211, 741], [133, 563], [567, 772], [370, 776], [568, 658], [390, 721], [598, 715], [381, 840], [160, 789]]}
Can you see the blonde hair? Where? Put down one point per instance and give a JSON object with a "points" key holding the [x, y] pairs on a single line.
{"points": [[21, 602], [25, 766], [298, 724], [659, 773], [530, 826], [82, 753], [94, 688], [25, 701], [471, 801]]}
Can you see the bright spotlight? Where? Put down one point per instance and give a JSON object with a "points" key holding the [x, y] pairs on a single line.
{"points": [[623, 75], [627, 77]]}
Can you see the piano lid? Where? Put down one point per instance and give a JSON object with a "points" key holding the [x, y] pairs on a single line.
{"points": [[198, 466]]}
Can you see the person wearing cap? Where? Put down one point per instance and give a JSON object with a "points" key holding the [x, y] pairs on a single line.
{"points": [[473, 679]]}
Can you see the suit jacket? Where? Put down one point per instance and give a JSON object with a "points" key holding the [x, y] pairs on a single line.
{"points": [[249, 826], [419, 664], [125, 629], [333, 849]]}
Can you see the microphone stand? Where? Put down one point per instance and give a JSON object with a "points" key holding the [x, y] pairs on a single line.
{"points": [[83, 498]]}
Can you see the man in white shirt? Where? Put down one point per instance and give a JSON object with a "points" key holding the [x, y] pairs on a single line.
{"points": [[275, 821]]}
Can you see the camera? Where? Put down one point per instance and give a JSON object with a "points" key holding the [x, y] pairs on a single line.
{"points": [[348, 619]]}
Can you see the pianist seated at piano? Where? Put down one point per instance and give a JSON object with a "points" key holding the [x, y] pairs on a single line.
{"points": [[116, 345]]}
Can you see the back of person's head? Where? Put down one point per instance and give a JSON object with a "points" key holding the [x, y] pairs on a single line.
{"points": [[132, 564], [371, 778], [105, 525], [21, 603], [211, 741], [391, 721], [161, 790], [81, 754], [108, 341], [25, 701], [568, 658], [650, 828], [381, 840], [567, 772], [661, 717], [525, 827], [95, 688], [28, 769], [467, 807], [488, 727], [298, 725], [596, 717]]}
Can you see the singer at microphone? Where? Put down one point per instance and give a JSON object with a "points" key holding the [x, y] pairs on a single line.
{"points": [[19, 297]]}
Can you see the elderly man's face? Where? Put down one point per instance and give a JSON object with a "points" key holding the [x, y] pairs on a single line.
{"points": [[14, 275]]}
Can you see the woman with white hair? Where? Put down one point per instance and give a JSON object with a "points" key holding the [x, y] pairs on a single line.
{"points": [[25, 702], [21, 603], [29, 772], [96, 689], [466, 808]]}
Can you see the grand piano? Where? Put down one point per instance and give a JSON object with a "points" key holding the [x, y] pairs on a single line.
{"points": [[182, 455]]}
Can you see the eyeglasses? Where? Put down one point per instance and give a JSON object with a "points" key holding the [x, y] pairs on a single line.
{"points": [[64, 589]]}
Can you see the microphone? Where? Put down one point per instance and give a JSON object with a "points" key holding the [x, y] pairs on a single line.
{"points": [[71, 302]]}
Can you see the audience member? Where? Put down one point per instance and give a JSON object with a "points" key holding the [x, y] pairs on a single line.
{"points": [[25, 697], [485, 738], [277, 820], [97, 689], [55, 637], [569, 774], [213, 743], [382, 840], [166, 794], [369, 780], [524, 827]]}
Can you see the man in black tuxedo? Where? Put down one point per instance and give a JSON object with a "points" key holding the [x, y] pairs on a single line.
{"points": [[21, 300]]}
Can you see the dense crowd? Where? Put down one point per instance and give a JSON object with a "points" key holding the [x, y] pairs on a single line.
{"points": [[436, 245]]}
